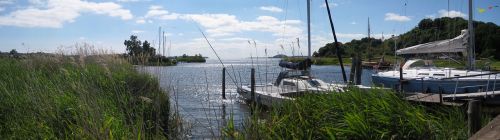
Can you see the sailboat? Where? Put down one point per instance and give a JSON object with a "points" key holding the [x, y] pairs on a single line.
{"points": [[420, 76], [293, 82]]}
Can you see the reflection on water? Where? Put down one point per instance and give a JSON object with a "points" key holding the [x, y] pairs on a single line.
{"points": [[195, 90]]}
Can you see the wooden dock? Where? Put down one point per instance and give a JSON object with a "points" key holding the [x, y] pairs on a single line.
{"points": [[431, 99], [471, 95], [490, 132]]}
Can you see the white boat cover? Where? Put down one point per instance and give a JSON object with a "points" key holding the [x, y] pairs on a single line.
{"points": [[457, 44]]}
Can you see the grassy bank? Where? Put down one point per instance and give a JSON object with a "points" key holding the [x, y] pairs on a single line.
{"points": [[98, 97], [356, 114]]}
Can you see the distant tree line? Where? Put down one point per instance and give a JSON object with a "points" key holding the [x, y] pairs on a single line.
{"points": [[142, 53], [487, 37], [197, 58]]}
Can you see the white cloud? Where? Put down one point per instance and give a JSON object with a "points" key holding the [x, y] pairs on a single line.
{"points": [[180, 34], [55, 13], [140, 21], [433, 16], [354, 23], [226, 25], [137, 31], [351, 35], [6, 2], [271, 9], [396, 17], [131, 0], [452, 14], [331, 4], [158, 12]]}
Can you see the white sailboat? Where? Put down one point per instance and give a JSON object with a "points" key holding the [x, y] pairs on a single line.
{"points": [[294, 82], [421, 76]]}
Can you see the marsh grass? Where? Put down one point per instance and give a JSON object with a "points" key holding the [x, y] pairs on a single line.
{"points": [[356, 114], [82, 96]]}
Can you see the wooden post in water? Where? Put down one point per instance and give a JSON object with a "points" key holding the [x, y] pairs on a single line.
{"points": [[474, 116], [224, 83], [252, 86], [359, 70], [353, 70], [401, 79], [440, 95]]}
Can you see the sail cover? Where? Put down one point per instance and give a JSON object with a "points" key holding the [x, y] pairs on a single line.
{"points": [[457, 44], [304, 65]]}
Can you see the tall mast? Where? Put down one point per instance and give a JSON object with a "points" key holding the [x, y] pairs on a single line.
{"points": [[159, 39], [164, 40], [368, 27], [471, 52], [339, 57], [309, 29]]}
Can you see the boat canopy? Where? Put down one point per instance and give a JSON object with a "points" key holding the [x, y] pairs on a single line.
{"points": [[457, 44], [303, 65]]}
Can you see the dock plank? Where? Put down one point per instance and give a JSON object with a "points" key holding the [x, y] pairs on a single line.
{"points": [[490, 132], [471, 95], [429, 98]]}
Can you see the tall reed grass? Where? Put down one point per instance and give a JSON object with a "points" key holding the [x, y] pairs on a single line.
{"points": [[82, 96], [356, 114]]}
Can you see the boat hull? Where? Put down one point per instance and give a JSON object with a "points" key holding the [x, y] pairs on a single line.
{"points": [[260, 98], [439, 86]]}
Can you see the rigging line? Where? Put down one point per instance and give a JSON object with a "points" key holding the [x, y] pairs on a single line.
{"points": [[215, 52], [284, 21], [336, 42]]}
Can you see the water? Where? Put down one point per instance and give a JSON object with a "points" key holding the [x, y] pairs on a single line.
{"points": [[195, 90]]}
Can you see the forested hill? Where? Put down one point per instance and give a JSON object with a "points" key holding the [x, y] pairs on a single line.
{"points": [[427, 30]]}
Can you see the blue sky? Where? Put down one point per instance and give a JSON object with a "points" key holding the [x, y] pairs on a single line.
{"points": [[57, 25]]}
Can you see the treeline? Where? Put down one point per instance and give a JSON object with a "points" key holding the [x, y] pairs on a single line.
{"points": [[141, 53], [197, 58], [487, 37]]}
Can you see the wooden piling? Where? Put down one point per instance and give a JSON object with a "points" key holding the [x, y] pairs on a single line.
{"points": [[359, 70], [223, 83], [353, 70], [400, 79], [252, 85], [440, 95], [473, 117]]}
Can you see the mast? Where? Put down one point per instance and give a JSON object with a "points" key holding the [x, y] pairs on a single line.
{"points": [[471, 52], [159, 39], [164, 40], [368, 27], [309, 28], [336, 42]]}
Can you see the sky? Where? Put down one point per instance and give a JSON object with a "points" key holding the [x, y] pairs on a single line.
{"points": [[61, 25]]}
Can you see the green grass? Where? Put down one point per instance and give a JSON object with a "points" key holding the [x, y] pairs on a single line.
{"points": [[356, 114], [98, 97]]}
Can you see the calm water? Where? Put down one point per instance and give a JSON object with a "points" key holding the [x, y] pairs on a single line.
{"points": [[195, 90]]}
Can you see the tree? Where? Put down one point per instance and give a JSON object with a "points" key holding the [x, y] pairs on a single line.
{"points": [[133, 46], [147, 49], [13, 52]]}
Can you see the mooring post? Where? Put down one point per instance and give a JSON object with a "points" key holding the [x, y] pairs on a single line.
{"points": [[252, 86], [401, 79], [359, 70], [224, 83], [474, 116], [422, 85], [353, 70], [440, 95]]}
